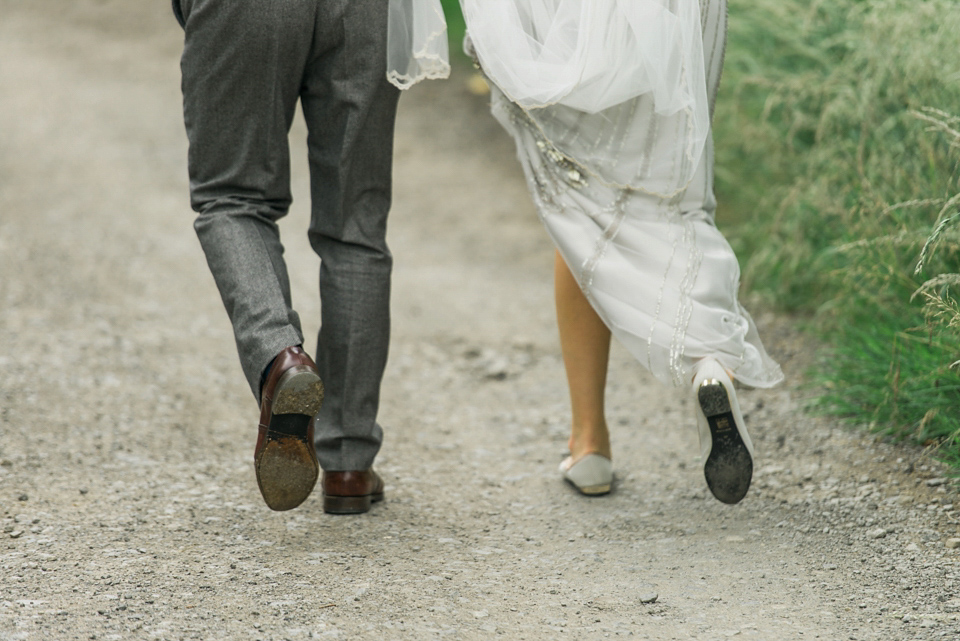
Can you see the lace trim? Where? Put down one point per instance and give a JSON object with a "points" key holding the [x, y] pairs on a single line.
{"points": [[402, 81]]}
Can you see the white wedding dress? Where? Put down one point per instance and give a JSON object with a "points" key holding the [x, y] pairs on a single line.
{"points": [[609, 104]]}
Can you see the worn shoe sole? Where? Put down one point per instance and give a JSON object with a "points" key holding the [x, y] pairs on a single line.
{"points": [[729, 466], [287, 469], [350, 504]]}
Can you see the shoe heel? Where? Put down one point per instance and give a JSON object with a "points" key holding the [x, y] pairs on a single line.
{"points": [[299, 391], [713, 398], [729, 467]]}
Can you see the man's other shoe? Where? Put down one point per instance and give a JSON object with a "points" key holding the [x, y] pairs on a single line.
{"points": [[351, 492]]}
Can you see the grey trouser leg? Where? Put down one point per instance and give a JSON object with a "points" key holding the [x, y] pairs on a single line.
{"points": [[245, 65], [350, 109]]}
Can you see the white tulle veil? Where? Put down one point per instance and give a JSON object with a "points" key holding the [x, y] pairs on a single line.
{"points": [[579, 68], [417, 46]]}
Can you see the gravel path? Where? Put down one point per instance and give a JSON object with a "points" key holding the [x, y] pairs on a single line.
{"points": [[128, 504]]}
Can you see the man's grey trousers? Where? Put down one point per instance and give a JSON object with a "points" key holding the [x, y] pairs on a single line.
{"points": [[245, 65]]}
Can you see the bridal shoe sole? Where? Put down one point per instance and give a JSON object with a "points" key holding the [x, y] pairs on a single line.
{"points": [[728, 468], [592, 475]]}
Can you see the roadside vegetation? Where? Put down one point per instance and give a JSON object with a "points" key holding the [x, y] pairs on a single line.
{"points": [[838, 176], [839, 159]]}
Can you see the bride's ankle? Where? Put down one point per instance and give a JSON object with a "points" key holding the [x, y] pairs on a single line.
{"points": [[592, 442]]}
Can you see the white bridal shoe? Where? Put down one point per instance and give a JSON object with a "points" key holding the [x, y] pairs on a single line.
{"points": [[591, 474], [725, 446]]}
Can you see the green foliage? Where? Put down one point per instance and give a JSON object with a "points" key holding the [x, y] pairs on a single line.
{"points": [[817, 139], [837, 159], [895, 382], [455, 25]]}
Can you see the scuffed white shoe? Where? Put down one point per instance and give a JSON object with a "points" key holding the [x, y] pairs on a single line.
{"points": [[725, 446], [591, 474]]}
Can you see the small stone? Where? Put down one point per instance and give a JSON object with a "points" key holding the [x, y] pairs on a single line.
{"points": [[913, 547], [23, 497], [83, 490], [649, 597], [953, 543], [952, 605], [497, 369], [16, 534], [936, 482], [878, 533], [829, 566]]}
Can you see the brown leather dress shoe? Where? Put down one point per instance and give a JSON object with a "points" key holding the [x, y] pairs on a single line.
{"points": [[351, 492], [285, 461]]}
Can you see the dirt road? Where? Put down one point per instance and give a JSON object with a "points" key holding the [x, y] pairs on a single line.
{"points": [[128, 504]]}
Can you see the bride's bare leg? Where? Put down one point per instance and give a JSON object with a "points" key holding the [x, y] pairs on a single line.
{"points": [[585, 342]]}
